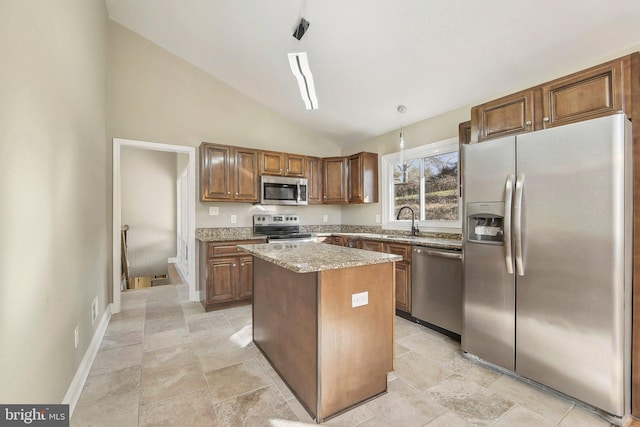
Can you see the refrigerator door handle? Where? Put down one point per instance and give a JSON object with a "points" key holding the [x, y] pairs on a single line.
{"points": [[508, 195], [517, 224]]}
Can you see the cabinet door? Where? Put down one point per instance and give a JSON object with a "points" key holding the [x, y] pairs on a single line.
{"points": [[464, 132], [314, 177], [403, 274], [363, 178], [294, 165], [509, 115], [403, 286], [355, 179], [215, 172], [271, 163], [596, 92], [245, 277], [464, 137], [246, 175], [220, 279], [335, 180]]}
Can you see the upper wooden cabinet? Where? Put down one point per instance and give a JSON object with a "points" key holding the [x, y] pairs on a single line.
{"points": [[334, 183], [464, 133], [595, 92], [228, 173], [363, 178], [509, 115], [282, 164], [314, 177]]}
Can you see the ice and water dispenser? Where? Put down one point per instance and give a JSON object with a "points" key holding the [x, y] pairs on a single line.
{"points": [[485, 222]]}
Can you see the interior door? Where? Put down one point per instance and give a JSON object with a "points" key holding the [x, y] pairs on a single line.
{"points": [[570, 300]]}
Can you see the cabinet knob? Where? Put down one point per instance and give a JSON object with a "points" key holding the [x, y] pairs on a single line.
{"points": [[545, 119], [242, 264], [236, 193], [234, 265], [228, 192], [528, 123]]}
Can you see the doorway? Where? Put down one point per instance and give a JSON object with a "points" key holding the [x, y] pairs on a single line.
{"points": [[187, 232]]}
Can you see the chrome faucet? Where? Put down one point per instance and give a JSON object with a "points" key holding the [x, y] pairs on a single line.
{"points": [[414, 228]]}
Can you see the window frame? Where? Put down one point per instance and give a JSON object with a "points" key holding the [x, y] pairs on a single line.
{"points": [[389, 222]]}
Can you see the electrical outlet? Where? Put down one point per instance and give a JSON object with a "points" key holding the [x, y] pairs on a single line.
{"points": [[359, 299], [76, 337], [234, 219], [377, 218], [94, 310], [214, 210], [325, 218]]}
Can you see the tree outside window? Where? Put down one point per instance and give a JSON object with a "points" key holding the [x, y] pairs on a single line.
{"points": [[441, 187]]}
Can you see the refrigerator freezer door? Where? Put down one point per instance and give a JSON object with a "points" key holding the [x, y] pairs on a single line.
{"points": [[570, 301], [489, 294]]}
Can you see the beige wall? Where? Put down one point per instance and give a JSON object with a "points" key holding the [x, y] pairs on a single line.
{"points": [[438, 128], [148, 206], [156, 96], [54, 221]]}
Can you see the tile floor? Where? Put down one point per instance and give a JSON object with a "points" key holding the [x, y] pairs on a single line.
{"points": [[165, 362]]}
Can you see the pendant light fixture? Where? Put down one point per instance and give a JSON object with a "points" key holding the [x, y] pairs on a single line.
{"points": [[401, 109]]}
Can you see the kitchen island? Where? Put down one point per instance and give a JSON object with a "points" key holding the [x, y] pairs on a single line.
{"points": [[324, 317]]}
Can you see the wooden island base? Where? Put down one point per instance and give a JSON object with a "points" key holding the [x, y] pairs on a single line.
{"points": [[333, 356]]}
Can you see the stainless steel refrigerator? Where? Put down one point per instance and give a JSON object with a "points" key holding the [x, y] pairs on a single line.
{"points": [[547, 257]]}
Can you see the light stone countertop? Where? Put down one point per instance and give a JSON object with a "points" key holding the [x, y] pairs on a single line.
{"points": [[430, 242], [246, 233], [311, 257]]}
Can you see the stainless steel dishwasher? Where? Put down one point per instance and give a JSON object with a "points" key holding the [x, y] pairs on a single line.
{"points": [[436, 287]]}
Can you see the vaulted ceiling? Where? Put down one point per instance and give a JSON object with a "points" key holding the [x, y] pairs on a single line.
{"points": [[369, 56]]}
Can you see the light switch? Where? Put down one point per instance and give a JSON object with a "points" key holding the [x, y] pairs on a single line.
{"points": [[325, 218], [234, 219], [359, 299], [214, 210], [377, 218]]}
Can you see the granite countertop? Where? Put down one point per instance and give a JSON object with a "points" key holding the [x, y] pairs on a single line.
{"points": [[246, 233], [431, 242], [311, 257]]}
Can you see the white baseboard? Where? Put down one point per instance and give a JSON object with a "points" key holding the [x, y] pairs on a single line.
{"points": [[82, 373]]}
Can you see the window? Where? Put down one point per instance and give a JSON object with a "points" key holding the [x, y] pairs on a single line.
{"points": [[426, 179]]}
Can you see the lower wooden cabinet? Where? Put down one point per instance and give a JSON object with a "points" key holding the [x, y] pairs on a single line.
{"points": [[226, 274], [403, 274]]}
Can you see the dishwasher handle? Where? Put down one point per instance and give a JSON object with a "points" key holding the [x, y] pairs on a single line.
{"points": [[442, 254]]}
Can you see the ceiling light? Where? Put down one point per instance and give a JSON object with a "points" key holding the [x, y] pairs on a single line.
{"points": [[302, 28], [300, 69]]}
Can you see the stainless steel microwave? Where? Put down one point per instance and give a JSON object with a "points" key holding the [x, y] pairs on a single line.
{"points": [[279, 190]]}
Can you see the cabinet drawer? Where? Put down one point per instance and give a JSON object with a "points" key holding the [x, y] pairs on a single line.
{"points": [[220, 249], [398, 249], [371, 245]]}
